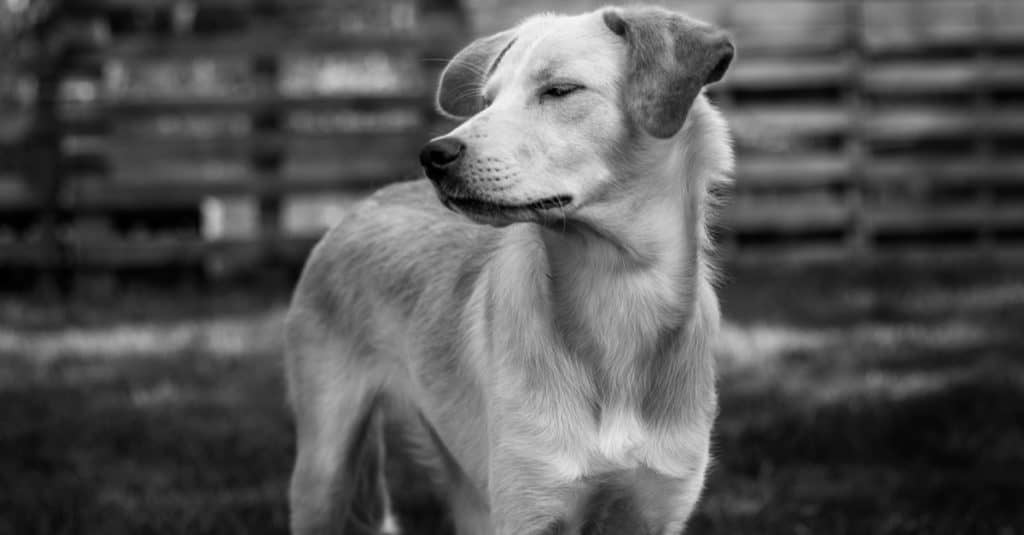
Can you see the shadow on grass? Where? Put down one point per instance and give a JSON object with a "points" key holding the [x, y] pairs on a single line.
{"points": [[850, 404], [184, 443], [942, 462], [870, 403]]}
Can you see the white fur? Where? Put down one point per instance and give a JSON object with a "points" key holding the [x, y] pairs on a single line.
{"points": [[531, 342]]}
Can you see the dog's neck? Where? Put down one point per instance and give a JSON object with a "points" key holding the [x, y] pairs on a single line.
{"points": [[626, 276], [627, 286]]}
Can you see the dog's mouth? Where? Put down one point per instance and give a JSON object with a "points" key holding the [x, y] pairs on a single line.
{"points": [[480, 206]]}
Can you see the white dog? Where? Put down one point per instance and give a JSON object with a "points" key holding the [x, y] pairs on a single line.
{"points": [[542, 333]]}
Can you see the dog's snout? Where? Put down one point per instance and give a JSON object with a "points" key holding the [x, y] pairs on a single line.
{"points": [[441, 153]]}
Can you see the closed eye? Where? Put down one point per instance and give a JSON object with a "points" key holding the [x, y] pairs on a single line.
{"points": [[560, 90]]}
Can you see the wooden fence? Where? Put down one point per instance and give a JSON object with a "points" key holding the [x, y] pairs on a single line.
{"points": [[878, 128], [143, 133], [218, 133]]}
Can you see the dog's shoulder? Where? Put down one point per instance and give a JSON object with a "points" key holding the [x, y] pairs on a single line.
{"points": [[397, 244], [398, 216], [402, 220], [411, 195]]}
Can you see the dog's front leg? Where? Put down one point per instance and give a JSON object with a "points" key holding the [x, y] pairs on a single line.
{"points": [[527, 497], [537, 451]]}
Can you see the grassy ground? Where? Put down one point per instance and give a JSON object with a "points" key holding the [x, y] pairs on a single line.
{"points": [[852, 402]]}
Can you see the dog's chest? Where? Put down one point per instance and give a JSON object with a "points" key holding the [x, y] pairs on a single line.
{"points": [[622, 440], [620, 437]]}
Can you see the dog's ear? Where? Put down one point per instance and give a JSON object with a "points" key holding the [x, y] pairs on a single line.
{"points": [[671, 57], [459, 92]]}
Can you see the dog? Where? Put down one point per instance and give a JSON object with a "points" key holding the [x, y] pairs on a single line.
{"points": [[537, 314]]}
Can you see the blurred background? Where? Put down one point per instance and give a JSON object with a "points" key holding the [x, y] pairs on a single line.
{"points": [[165, 166]]}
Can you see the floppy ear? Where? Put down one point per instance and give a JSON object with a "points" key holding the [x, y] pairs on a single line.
{"points": [[671, 57], [458, 94]]}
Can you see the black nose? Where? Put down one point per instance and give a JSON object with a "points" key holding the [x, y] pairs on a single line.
{"points": [[441, 153]]}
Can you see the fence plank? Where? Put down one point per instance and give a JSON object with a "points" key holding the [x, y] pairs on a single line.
{"points": [[15, 196], [905, 25], [760, 215], [1004, 74], [165, 171], [27, 254], [903, 255], [937, 76], [918, 217], [766, 44], [14, 125], [762, 74], [790, 120], [213, 177], [1007, 20], [142, 149], [365, 172], [121, 253], [277, 40], [924, 122], [789, 27], [1005, 121], [164, 4], [227, 104], [946, 171], [922, 77], [352, 149], [787, 171]]}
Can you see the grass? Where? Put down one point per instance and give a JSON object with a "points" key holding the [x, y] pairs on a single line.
{"points": [[852, 402]]}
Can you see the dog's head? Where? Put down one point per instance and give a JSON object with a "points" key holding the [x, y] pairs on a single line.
{"points": [[554, 104]]}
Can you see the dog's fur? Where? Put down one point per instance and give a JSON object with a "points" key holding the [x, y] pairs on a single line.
{"points": [[545, 340]]}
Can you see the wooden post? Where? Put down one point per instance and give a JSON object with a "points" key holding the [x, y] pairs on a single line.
{"points": [[983, 112], [858, 231], [725, 18], [725, 99], [44, 162], [266, 156]]}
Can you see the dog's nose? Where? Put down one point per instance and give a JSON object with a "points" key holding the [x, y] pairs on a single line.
{"points": [[441, 153]]}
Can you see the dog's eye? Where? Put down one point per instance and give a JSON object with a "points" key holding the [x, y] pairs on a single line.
{"points": [[560, 90]]}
